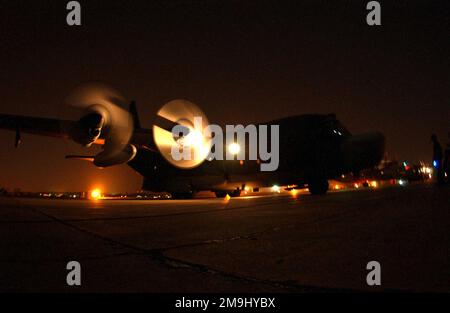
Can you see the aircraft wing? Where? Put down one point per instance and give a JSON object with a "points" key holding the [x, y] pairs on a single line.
{"points": [[36, 125], [58, 128]]}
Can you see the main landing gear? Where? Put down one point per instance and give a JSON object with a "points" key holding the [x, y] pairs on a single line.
{"points": [[318, 186], [223, 193]]}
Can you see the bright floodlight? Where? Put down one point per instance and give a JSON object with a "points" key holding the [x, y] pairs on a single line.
{"points": [[234, 148], [276, 188], [96, 194]]}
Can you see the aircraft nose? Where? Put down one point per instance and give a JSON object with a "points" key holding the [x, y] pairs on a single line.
{"points": [[363, 151]]}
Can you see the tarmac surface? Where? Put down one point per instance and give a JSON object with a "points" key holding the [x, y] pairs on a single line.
{"points": [[277, 243]]}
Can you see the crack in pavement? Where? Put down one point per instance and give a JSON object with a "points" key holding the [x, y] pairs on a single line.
{"points": [[158, 256]]}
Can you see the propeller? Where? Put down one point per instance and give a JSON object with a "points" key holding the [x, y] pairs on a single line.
{"points": [[103, 109], [188, 136], [103, 115]]}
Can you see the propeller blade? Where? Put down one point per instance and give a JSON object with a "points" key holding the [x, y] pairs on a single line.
{"points": [[196, 146], [102, 99]]}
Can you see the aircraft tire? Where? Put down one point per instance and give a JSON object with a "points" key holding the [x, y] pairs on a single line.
{"points": [[235, 193], [318, 187], [220, 193], [224, 193]]}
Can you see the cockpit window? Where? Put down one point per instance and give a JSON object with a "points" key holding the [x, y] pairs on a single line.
{"points": [[334, 127]]}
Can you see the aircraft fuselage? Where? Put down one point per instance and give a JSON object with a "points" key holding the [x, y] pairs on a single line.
{"points": [[312, 149]]}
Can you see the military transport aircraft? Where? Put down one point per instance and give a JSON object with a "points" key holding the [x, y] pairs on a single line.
{"points": [[312, 148]]}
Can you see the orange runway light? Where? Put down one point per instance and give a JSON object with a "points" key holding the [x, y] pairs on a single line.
{"points": [[96, 194], [294, 192]]}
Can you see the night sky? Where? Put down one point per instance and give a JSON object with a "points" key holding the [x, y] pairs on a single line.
{"points": [[241, 61]]}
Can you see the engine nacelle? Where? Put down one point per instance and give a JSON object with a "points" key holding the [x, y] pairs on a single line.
{"points": [[88, 129], [111, 157]]}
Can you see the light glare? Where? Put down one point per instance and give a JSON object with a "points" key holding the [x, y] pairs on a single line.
{"points": [[234, 148], [276, 188], [96, 194]]}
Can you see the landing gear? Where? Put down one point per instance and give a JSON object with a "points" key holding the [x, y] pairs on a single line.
{"points": [[220, 194], [318, 186], [235, 193], [223, 193]]}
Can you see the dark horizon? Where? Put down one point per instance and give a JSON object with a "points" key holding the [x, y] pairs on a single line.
{"points": [[240, 61]]}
